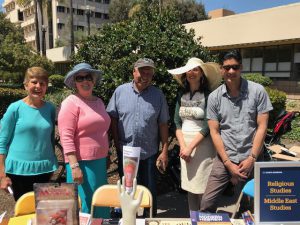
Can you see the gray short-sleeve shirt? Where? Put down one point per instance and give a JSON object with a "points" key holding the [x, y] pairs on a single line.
{"points": [[238, 116]]}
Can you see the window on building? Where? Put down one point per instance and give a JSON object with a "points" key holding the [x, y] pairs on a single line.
{"points": [[105, 16], [80, 12], [252, 59], [296, 66], [98, 15], [60, 9], [80, 28], [20, 16], [106, 1], [98, 1], [278, 61], [60, 26]]}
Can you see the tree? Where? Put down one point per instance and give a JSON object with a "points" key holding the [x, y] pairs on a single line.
{"points": [[187, 10], [147, 34], [15, 54], [119, 9]]}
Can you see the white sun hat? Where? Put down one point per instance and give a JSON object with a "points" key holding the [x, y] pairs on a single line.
{"points": [[211, 71]]}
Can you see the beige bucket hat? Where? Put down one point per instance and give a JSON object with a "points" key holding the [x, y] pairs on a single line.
{"points": [[211, 71]]}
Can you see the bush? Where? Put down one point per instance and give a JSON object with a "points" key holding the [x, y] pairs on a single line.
{"points": [[258, 78], [294, 134], [278, 99], [57, 81], [7, 96], [57, 96]]}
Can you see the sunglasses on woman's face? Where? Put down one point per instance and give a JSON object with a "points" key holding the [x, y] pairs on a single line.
{"points": [[87, 77], [234, 67]]}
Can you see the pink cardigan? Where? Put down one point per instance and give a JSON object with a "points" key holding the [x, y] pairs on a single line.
{"points": [[83, 127]]}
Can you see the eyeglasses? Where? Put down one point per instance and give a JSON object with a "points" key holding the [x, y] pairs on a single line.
{"points": [[234, 67], [87, 77]]}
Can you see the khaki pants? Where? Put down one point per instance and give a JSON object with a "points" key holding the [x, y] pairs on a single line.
{"points": [[217, 183]]}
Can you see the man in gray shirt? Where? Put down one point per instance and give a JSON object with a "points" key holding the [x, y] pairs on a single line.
{"points": [[237, 114], [139, 115]]}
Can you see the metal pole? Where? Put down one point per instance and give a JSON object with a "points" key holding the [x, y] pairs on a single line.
{"points": [[88, 15], [72, 28], [44, 29]]}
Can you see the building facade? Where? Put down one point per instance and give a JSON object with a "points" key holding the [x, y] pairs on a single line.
{"points": [[269, 41], [88, 15]]}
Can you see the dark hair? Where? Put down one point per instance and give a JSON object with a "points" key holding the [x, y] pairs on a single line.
{"points": [[232, 54], [203, 87]]}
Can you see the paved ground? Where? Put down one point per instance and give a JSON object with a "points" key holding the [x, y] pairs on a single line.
{"points": [[172, 205]]}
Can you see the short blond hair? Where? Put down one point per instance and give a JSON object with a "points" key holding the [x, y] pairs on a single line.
{"points": [[36, 72]]}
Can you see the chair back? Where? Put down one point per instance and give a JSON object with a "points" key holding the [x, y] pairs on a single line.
{"points": [[108, 196], [25, 204], [249, 188]]}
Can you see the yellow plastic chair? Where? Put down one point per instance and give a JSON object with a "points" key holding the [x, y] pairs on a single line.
{"points": [[26, 204], [108, 196]]}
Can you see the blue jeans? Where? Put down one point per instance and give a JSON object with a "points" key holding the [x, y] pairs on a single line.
{"points": [[146, 176]]}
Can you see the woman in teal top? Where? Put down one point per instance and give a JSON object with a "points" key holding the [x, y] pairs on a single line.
{"points": [[27, 137]]}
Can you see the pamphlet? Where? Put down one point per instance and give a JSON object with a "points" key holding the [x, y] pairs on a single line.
{"points": [[201, 218], [131, 158], [56, 204], [84, 218], [248, 218]]}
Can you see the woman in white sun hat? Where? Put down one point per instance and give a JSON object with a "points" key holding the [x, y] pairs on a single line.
{"points": [[197, 80]]}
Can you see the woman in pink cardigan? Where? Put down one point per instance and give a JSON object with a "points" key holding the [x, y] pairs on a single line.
{"points": [[83, 125]]}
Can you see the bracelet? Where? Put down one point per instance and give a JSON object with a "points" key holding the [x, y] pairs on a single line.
{"points": [[225, 161], [253, 156], [75, 165]]}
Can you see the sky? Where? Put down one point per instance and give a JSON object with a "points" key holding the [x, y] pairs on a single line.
{"points": [[241, 6], [238, 6]]}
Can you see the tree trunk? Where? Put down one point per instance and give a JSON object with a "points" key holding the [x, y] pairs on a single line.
{"points": [[71, 27], [37, 33]]}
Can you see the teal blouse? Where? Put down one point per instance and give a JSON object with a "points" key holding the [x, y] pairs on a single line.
{"points": [[27, 139]]}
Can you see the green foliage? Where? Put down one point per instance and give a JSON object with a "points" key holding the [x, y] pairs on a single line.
{"points": [[15, 55], [187, 10], [7, 96], [57, 81], [117, 46], [56, 96], [11, 77], [294, 134], [258, 78], [278, 99]]}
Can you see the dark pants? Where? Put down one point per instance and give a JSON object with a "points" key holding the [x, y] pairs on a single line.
{"points": [[146, 176], [217, 182], [23, 184]]}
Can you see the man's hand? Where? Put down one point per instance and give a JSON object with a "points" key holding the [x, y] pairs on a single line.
{"points": [[246, 166], [163, 159], [236, 175]]}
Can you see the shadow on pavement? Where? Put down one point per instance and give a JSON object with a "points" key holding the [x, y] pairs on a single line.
{"points": [[172, 205]]}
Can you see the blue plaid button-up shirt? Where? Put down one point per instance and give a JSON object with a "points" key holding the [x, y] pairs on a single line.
{"points": [[139, 116]]}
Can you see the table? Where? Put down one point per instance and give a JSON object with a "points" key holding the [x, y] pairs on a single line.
{"points": [[23, 220]]}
